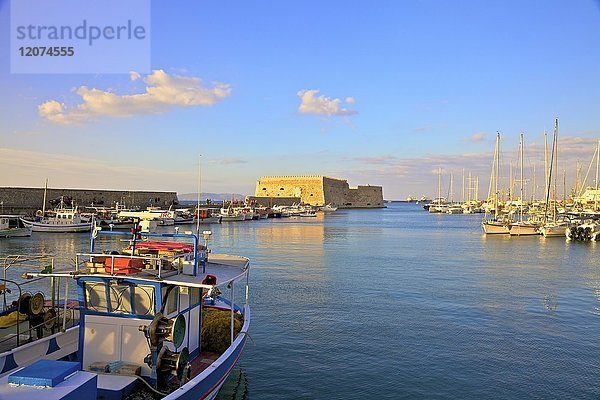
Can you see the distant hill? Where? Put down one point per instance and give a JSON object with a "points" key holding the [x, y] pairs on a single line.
{"points": [[213, 196]]}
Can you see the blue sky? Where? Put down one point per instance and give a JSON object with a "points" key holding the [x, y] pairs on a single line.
{"points": [[421, 85]]}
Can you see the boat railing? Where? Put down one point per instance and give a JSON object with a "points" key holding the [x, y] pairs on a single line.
{"points": [[48, 317], [109, 263]]}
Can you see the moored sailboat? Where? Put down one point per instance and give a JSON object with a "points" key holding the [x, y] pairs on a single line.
{"points": [[496, 224]]}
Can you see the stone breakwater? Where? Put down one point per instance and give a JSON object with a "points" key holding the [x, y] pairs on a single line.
{"points": [[20, 200]]}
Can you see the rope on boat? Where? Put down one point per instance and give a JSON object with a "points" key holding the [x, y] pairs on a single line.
{"points": [[158, 392]]}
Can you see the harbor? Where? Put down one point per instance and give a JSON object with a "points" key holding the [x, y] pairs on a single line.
{"points": [[299, 200], [487, 321]]}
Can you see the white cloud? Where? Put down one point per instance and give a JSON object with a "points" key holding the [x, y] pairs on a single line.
{"points": [[228, 161], [322, 105], [477, 137], [163, 92], [134, 76]]}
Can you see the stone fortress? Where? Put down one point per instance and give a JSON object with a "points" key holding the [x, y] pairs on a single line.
{"points": [[317, 190]]}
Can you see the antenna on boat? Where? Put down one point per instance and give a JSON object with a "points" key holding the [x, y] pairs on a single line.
{"points": [[198, 196]]}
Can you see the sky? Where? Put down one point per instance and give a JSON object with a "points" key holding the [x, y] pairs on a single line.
{"points": [[375, 92]]}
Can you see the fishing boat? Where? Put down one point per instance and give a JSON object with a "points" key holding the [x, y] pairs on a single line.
{"points": [[62, 219], [183, 217], [207, 216], [148, 323], [228, 214], [12, 226]]}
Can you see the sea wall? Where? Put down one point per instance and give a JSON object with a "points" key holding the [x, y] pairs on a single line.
{"points": [[20, 200], [318, 190], [365, 197]]}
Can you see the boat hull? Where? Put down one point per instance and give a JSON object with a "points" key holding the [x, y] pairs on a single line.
{"points": [[15, 232], [51, 347], [233, 218], [210, 220], [495, 228], [524, 230], [207, 384], [554, 230], [58, 228]]}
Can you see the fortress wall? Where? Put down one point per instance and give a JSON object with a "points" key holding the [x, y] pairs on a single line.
{"points": [[320, 190], [365, 197], [335, 191], [273, 201], [27, 200], [308, 188]]}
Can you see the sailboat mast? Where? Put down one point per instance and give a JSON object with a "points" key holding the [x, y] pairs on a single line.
{"points": [[44, 203], [521, 158], [198, 196], [550, 171], [470, 188], [497, 168], [451, 194], [547, 180], [597, 173], [439, 193], [462, 197], [555, 148], [533, 188]]}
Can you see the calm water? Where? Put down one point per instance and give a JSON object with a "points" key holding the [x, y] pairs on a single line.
{"points": [[398, 303]]}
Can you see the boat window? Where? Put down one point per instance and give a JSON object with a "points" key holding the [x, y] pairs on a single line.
{"points": [[120, 299], [95, 296], [194, 296], [120, 296], [172, 301], [143, 300]]}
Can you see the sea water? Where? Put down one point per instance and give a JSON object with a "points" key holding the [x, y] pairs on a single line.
{"points": [[397, 303]]}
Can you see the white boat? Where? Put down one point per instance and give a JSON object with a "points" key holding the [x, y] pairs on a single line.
{"points": [[140, 325], [162, 217], [13, 226], [230, 215], [454, 209], [555, 228], [328, 208], [496, 224], [524, 228], [62, 220], [439, 204], [495, 227]]}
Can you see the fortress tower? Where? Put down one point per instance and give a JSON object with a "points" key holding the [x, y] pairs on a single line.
{"points": [[318, 190]]}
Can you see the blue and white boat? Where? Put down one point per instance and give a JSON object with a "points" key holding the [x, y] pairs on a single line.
{"points": [[151, 320]]}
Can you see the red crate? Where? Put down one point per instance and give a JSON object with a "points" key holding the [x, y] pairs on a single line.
{"points": [[123, 266]]}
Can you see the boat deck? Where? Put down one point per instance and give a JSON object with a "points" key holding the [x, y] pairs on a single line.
{"points": [[224, 267]]}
